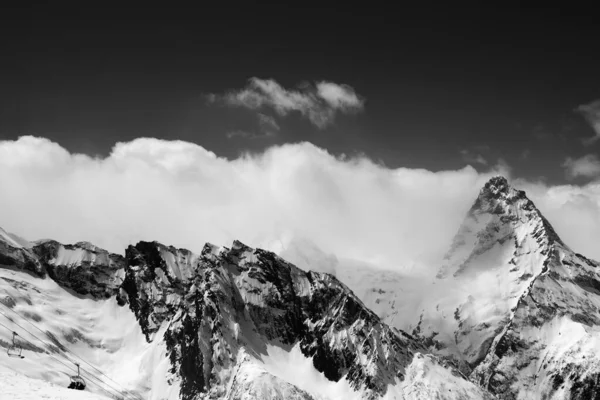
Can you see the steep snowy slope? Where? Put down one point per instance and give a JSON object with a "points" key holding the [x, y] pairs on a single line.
{"points": [[499, 249], [514, 306], [58, 327], [550, 348]]}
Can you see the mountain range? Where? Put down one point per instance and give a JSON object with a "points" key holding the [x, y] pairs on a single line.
{"points": [[512, 313]]}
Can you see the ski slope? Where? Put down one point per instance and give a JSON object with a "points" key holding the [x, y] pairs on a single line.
{"points": [[103, 337]]}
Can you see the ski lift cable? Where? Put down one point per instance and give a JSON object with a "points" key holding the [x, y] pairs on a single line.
{"points": [[15, 344], [66, 350], [56, 340], [6, 327], [91, 378], [56, 359]]}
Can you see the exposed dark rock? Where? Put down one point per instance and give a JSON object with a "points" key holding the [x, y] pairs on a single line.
{"points": [[82, 267], [269, 298]]}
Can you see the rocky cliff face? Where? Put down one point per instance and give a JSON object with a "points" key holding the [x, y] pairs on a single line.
{"points": [[229, 299], [82, 267], [18, 255]]}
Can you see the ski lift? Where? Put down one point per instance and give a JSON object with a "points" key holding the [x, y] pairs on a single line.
{"points": [[77, 382], [15, 349]]}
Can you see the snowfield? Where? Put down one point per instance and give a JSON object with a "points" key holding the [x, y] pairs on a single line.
{"points": [[16, 386], [99, 332]]}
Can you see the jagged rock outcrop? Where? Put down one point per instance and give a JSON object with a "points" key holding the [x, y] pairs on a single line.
{"points": [[229, 299], [82, 267]]}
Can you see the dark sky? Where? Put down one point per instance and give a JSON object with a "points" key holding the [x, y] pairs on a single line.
{"points": [[502, 83]]}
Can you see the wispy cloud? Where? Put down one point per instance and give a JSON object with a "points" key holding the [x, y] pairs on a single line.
{"points": [[591, 112], [473, 158], [319, 102], [587, 166], [268, 125]]}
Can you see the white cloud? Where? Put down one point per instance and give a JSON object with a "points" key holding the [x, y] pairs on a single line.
{"points": [[587, 166], [340, 97], [591, 112], [319, 103], [179, 193]]}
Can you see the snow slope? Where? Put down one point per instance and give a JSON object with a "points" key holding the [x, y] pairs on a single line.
{"points": [[16, 386], [100, 332]]}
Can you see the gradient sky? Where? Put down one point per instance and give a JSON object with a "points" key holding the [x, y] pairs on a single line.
{"points": [[441, 87]]}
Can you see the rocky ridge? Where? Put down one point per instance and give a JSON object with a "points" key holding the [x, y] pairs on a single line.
{"points": [[241, 298]]}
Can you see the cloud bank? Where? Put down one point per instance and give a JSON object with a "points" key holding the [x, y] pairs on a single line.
{"points": [[182, 194], [319, 102]]}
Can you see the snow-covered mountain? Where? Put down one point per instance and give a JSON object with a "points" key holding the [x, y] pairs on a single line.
{"points": [[511, 305], [513, 313], [229, 323], [514, 305]]}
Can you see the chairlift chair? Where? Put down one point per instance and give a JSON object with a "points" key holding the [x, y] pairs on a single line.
{"points": [[77, 382], [15, 349]]}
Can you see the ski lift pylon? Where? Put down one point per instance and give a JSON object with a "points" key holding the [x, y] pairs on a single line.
{"points": [[15, 349], [77, 382]]}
